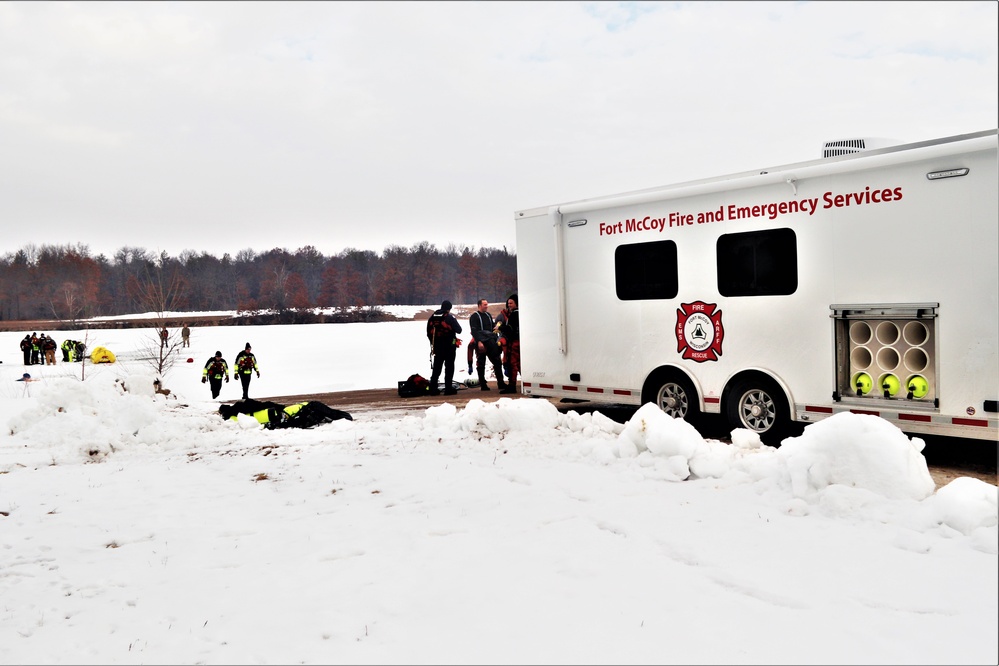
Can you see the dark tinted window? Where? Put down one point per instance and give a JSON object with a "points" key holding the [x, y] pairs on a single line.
{"points": [[646, 271], [758, 263]]}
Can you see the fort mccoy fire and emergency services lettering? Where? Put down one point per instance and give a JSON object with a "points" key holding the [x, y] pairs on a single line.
{"points": [[769, 211]]}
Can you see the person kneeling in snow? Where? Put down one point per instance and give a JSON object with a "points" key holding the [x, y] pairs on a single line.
{"points": [[275, 415]]}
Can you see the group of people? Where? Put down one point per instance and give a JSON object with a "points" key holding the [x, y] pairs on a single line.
{"points": [[72, 351], [217, 370], [496, 340], [41, 349], [185, 336]]}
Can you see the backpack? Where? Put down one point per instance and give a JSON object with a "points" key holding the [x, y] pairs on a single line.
{"points": [[438, 330], [413, 386]]}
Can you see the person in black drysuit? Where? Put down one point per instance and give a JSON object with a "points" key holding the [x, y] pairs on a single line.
{"points": [[482, 325], [275, 415], [26, 349], [442, 331]]}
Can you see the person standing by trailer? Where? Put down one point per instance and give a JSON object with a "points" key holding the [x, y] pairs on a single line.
{"points": [[509, 328], [482, 324], [216, 369], [245, 365], [442, 331]]}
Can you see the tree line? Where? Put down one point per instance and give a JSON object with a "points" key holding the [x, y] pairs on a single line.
{"points": [[67, 282]]}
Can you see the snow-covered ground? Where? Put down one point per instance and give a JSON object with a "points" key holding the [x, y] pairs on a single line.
{"points": [[136, 528]]}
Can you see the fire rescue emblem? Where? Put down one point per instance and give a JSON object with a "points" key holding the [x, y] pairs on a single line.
{"points": [[699, 331]]}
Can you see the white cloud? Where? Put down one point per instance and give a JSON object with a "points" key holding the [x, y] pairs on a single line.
{"points": [[359, 124]]}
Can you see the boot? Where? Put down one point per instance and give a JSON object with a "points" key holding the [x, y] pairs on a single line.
{"points": [[482, 380], [500, 384], [511, 386]]}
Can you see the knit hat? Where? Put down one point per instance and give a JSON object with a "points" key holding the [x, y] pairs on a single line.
{"points": [[513, 297], [247, 346], [446, 306], [218, 353]]}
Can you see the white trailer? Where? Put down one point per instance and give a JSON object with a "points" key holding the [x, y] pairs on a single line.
{"points": [[865, 282]]}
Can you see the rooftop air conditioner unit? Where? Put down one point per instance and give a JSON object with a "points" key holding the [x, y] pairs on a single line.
{"points": [[849, 146]]}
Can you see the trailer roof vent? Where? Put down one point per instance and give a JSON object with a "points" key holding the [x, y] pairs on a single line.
{"points": [[849, 146]]}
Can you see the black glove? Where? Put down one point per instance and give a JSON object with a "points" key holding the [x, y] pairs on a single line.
{"points": [[204, 379]]}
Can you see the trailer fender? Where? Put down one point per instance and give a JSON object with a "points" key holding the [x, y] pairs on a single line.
{"points": [[675, 391]]}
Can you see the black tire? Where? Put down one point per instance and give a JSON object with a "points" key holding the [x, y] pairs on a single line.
{"points": [[676, 397], [758, 404]]}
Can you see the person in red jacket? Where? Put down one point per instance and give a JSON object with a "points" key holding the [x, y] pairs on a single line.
{"points": [[509, 329]]}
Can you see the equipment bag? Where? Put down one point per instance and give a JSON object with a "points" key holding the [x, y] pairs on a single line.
{"points": [[413, 386]]}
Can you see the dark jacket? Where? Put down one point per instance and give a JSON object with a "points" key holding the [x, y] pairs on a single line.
{"points": [[442, 329], [510, 325], [482, 325]]}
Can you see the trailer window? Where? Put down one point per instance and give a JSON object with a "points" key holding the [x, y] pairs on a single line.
{"points": [[758, 263], [646, 271]]}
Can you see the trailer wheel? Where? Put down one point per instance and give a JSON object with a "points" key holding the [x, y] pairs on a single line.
{"points": [[759, 405], [676, 397]]}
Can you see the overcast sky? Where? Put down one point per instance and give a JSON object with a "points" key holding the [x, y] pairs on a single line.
{"points": [[221, 126]]}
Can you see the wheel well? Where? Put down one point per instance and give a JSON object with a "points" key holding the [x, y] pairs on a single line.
{"points": [[664, 373], [756, 376]]}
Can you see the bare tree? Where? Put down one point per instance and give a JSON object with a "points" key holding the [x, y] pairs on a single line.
{"points": [[159, 354], [160, 289], [83, 359], [68, 302], [160, 286]]}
